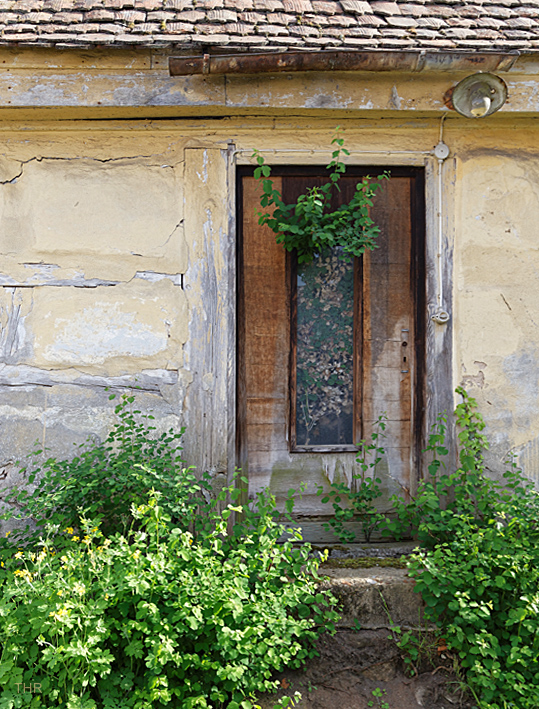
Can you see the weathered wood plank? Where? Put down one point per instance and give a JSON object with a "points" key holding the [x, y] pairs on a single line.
{"points": [[265, 343], [207, 351]]}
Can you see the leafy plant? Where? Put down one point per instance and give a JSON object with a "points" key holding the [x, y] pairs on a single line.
{"points": [[308, 226], [359, 502], [446, 501], [158, 618], [170, 611], [378, 700], [479, 571], [106, 478]]}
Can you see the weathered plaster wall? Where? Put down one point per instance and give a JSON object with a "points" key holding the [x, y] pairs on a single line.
{"points": [[117, 258], [91, 266], [496, 289]]}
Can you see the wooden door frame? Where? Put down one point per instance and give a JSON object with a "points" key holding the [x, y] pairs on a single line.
{"points": [[433, 383]]}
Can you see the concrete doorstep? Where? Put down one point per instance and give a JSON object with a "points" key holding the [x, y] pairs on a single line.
{"points": [[375, 598]]}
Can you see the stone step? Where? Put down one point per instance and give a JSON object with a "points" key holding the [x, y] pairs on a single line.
{"points": [[376, 597]]}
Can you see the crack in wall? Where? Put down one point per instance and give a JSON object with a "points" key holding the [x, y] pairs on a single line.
{"points": [[46, 278], [41, 158], [150, 380]]}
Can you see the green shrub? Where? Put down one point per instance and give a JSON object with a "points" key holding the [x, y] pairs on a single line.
{"points": [[359, 502], [157, 619], [479, 571], [106, 478], [161, 607]]}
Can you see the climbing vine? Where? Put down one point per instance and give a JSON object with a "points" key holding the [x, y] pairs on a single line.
{"points": [[308, 226]]}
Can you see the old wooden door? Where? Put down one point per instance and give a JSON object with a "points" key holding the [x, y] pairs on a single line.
{"points": [[325, 349]]}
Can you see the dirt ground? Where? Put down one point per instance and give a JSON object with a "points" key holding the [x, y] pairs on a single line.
{"points": [[354, 663]]}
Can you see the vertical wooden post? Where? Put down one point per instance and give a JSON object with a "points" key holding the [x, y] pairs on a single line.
{"points": [[209, 363]]}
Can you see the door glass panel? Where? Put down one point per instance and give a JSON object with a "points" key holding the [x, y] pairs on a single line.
{"points": [[325, 351]]}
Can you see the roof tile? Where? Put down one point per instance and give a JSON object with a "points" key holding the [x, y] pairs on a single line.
{"points": [[342, 21], [222, 16], [191, 16], [528, 11], [257, 40], [178, 28], [101, 15], [414, 10], [239, 5], [401, 22], [209, 29], [240, 28], [297, 6], [208, 4], [371, 20], [178, 4], [357, 42], [498, 11], [488, 34], [385, 8], [459, 22], [441, 11], [325, 7], [458, 32], [68, 18], [489, 22], [254, 18], [520, 23], [434, 22], [518, 34], [465, 24], [437, 43], [38, 17], [272, 29], [358, 7], [304, 30], [128, 16], [361, 32], [160, 16], [271, 5], [211, 39], [280, 18], [323, 41]]}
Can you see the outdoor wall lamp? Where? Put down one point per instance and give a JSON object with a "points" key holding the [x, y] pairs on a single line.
{"points": [[478, 95]]}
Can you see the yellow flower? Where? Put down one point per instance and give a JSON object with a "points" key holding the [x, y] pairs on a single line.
{"points": [[59, 593], [79, 588], [24, 574], [64, 559], [69, 530], [107, 543], [59, 614], [8, 533], [19, 555], [86, 540], [76, 539]]}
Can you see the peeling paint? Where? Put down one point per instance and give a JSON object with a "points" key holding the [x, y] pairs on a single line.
{"points": [[394, 99]]}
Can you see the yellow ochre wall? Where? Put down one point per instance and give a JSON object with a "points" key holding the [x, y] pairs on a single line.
{"points": [[117, 235]]}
